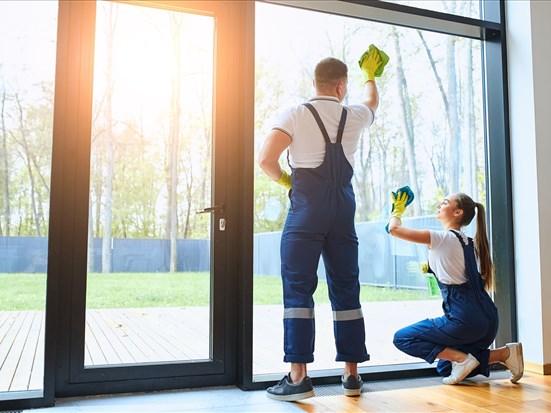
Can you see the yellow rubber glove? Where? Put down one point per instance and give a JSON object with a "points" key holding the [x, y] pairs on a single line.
{"points": [[425, 267], [399, 201], [284, 180], [369, 63]]}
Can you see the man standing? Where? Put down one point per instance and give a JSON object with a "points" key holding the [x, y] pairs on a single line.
{"points": [[322, 137]]}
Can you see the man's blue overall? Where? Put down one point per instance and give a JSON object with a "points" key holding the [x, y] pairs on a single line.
{"points": [[320, 221], [469, 323]]}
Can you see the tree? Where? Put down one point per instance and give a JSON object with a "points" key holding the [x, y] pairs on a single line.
{"points": [[5, 168], [174, 138], [109, 138], [408, 126]]}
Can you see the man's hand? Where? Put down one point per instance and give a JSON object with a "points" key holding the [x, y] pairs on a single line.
{"points": [[369, 63], [284, 180], [373, 62]]}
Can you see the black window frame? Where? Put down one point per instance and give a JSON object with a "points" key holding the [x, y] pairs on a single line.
{"points": [[491, 32]]}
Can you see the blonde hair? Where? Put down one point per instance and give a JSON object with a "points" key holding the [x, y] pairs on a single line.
{"points": [[481, 243]]}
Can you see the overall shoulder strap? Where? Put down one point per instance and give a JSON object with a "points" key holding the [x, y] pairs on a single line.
{"points": [[319, 122], [341, 124], [459, 237]]}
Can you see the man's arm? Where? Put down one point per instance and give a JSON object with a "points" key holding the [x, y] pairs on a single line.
{"points": [[372, 99], [268, 159]]}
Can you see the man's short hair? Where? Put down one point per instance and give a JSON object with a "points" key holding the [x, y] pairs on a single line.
{"points": [[329, 71]]}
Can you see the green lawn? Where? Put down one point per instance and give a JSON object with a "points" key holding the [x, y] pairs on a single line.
{"points": [[133, 290]]}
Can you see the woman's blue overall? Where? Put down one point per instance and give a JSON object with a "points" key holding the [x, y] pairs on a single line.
{"points": [[320, 221], [469, 323]]}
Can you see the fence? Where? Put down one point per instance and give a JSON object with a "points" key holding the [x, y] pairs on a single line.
{"points": [[30, 255], [383, 260]]}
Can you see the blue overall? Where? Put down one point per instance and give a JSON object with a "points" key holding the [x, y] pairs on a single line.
{"points": [[320, 221], [469, 323]]}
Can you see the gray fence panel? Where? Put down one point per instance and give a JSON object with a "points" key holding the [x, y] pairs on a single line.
{"points": [[23, 254], [384, 260], [30, 255]]}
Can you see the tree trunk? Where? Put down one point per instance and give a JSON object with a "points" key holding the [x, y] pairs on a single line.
{"points": [[471, 127], [454, 150], [106, 248], [175, 111], [407, 123], [5, 165], [23, 143]]}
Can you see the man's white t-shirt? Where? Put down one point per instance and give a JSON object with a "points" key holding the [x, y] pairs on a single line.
{"points": [[446, 257], [307, 149]]}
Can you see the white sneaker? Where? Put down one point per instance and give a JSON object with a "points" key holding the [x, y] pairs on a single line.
{"points": [[515, 361], [461, 370]]}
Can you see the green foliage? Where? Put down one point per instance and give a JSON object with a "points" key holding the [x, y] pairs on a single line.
{"points": [[270, 205]]}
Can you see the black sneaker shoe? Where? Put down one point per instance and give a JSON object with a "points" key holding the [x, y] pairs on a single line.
{"points": [[352, 385], [286, 391]]}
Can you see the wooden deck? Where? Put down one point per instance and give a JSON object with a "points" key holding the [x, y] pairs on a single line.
{"points": [[149, 335]]}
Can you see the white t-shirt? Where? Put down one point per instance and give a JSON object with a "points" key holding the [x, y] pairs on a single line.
{"points": [[307, 148], [446, 257]]}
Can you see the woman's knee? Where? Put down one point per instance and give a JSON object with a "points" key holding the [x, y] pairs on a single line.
{"points": [[401, 338]]}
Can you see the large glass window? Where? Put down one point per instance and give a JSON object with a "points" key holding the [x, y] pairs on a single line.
{"points": [[149, 274], [27, 71], [428, 133]]}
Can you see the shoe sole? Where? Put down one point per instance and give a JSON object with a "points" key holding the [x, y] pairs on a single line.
{"points": [[518, 351], [352, 392], [460, 378], [292, 397]]}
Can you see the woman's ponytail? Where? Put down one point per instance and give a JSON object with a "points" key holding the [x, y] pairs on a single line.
{"points": [[482, 247], [481, 244]]}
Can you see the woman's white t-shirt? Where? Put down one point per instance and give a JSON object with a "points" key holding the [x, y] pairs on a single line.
{"points": [[307, 149], [446, 257]]}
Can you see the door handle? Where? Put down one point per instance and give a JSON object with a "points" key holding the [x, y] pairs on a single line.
{"points": [[215, 208]]}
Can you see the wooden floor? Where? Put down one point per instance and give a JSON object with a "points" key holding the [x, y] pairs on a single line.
{"points": [[21, 350], [152, 335], [531, 394]]}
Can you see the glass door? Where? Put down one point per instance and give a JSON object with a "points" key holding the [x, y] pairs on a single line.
{"points": [[148, 295], [28, 38], [149, 300]]}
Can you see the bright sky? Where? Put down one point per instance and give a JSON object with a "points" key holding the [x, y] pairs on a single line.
{"points": [[28, 31], [144, 60]]}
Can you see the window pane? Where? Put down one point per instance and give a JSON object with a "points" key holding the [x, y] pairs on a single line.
{"points": [[27, 71], [148, 291], [428, 133], [465, 8]]}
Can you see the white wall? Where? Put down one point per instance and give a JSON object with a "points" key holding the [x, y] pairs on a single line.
{"points": [[529, 64]]}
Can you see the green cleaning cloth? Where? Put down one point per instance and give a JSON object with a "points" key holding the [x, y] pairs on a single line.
{"points": [[384, 59], [408, 191]]}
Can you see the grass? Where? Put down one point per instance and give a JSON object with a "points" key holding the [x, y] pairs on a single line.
{"points": [[138, 290]]}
